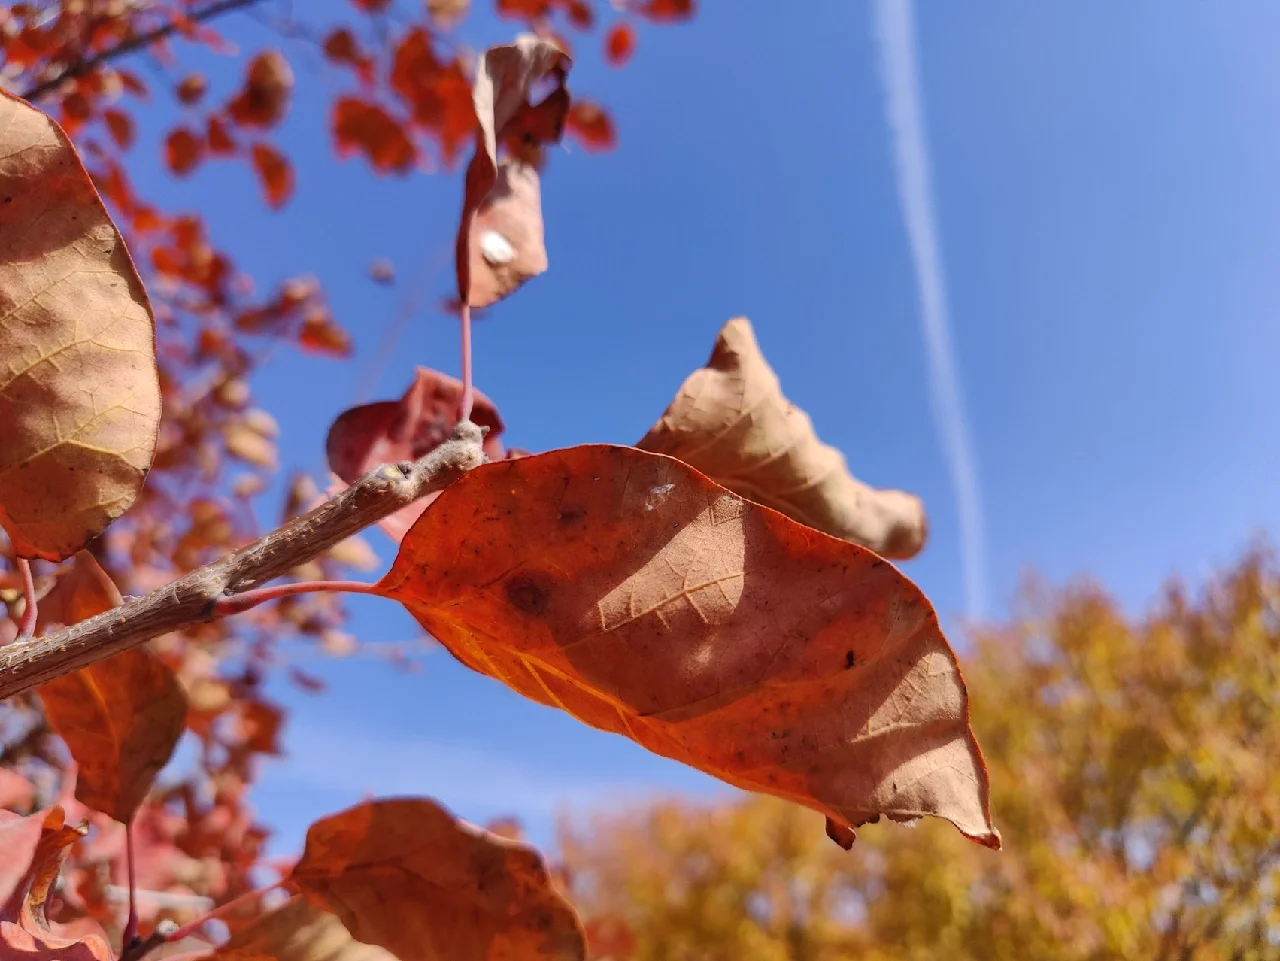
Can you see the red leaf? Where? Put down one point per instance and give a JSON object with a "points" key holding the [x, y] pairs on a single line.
{"points": [[219, 138], [666, 11], [371, 6], [275, 172], [620, 45], [268, 85], [436, 91], [192, 88], [120, 127], [183, 151], [387, 432], [321, 334], [367, 128], [592, 126]]}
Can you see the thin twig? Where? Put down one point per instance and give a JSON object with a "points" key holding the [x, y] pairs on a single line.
{"points": [[125, 47], [194, 597], [29, 613]]}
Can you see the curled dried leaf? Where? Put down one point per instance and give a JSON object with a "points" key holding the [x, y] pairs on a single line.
{"points": [[731, 421], [505, 79], [25, 928], [406, 875], [79, 392], [633, 592]]}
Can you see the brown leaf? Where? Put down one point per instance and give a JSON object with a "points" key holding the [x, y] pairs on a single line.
{"points": [[406, 875], [436, 90], [79, 393], [505, 78], [121, 717], [592, 126], [508, 246], [620, 44], [366, 127], [447, 13], [666, 11], [268, 86], [296, 931], [275, 172], [191, 88], [119, 126], [631, 591], [389, 432], [731, 421], [26, 931], [382, 271], [321, 334], [183, 151]]}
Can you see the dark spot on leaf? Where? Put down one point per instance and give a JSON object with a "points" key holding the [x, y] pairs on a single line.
{"points": [[527, 595], [849, 660], [571, 516]]}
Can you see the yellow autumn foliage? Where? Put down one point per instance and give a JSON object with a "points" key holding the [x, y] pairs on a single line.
{"points": [[1135, 771]]}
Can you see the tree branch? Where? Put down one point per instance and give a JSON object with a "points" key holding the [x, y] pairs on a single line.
{"points": [[136, 42], [193, 598]]}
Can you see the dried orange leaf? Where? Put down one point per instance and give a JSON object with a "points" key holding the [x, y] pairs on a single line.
{"points": [[406, 875], [631, 591], [79, 393], [121, 717], [268, 86], [620, 44], [592, 126], [731, 421], [296, 931], [183, 151], [362, 126], [275, 173], [25, 929]]}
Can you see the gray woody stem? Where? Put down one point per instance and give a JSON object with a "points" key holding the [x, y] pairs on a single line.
{"points": [[190, 599]]}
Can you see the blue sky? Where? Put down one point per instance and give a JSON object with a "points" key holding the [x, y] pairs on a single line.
{"points": [[1105, 184]]}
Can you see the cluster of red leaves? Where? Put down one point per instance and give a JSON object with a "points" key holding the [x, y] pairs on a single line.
{"points": [[409, 102]]}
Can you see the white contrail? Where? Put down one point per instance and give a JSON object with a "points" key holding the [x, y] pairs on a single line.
{"points": [[896, 41]]}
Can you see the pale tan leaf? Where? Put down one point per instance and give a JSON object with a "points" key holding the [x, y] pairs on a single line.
{"points": [[731, 421], [79, 392], [296, 931]]}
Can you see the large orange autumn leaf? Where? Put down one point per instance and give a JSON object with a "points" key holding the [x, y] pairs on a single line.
{"points": [[79, 392], [641, 597], [404, 874]]}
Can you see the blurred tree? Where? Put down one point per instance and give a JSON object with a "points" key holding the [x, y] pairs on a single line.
{"points": [[1135, 767]]}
